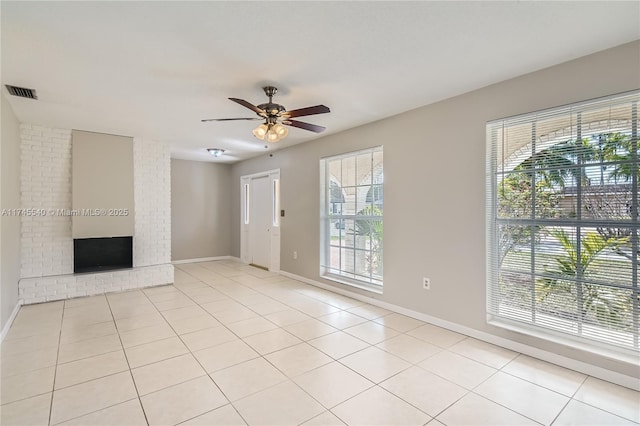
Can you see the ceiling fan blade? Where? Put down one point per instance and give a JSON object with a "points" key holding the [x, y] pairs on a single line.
{"points": [[305, 126], [230, 119], [249, 105], [318, 109]]}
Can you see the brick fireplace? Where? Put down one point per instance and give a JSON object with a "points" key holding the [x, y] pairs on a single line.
{"points": [[47, 266]]}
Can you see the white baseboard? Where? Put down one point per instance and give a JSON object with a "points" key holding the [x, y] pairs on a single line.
{"points": [[203, 259], [582, 367], [7, 326]]}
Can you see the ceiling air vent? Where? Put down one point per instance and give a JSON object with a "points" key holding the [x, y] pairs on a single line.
{"points": [[22, 92]]}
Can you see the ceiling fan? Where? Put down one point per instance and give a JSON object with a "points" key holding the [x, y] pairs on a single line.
{"points": [[275, 116]]}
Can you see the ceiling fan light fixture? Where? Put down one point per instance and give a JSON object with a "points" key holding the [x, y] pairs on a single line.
{"points": [[272, 136], [261, 131], [275, 116], [216, 152], [281, 131]]}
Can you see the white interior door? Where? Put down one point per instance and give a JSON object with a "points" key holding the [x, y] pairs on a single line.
{"points": [[260, 225]]}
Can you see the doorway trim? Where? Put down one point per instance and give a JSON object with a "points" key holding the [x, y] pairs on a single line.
{"points": [[245, 217]]}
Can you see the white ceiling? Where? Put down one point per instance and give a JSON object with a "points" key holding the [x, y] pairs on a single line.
{"points": [[154, 69]]}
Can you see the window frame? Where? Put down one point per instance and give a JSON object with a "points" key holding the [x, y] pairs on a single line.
{"points": [[579, 339], [331, 216]]}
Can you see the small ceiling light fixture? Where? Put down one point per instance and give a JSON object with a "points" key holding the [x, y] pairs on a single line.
{"points": [[216, 152]]}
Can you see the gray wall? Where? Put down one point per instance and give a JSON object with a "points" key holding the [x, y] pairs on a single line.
{"points": [[200, 209], [9, 199], [434, 169]]}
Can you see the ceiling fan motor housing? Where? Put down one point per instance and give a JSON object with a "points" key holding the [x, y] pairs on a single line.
{"points": [[272, 109]]}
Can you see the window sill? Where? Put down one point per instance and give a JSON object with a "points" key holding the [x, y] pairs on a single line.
{"points": [[596, 348], [353, 283]]}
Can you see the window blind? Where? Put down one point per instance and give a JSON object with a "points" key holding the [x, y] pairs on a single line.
{"points": [[563, 223], [352, 217]]}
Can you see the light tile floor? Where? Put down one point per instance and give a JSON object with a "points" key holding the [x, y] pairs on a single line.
{"points": [[229, 344]]}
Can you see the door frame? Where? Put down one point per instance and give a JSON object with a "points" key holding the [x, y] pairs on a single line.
{"points": [[245, 217]]}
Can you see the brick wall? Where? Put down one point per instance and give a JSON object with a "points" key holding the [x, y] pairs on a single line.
{"points": [[152, 195], [47, 244]]}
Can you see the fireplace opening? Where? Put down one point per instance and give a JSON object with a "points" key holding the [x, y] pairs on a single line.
{"points": [[102, 254]]}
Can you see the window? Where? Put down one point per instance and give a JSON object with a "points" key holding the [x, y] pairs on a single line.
{"points": [[563, 223], [246, 203], [351, 219], [276, 202]]}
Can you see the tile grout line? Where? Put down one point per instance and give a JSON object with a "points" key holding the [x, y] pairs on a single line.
{"points": [[473, 391], [108, 375], [566, 404], [542, 386], [55, 370], [411, 365], [200, 364], [572, 398], [135, 386], [290, 379], [263, 356], [444, 349]]}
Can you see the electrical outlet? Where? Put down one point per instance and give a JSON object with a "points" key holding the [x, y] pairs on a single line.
{"points": [[295, 255], [426, 283]]}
